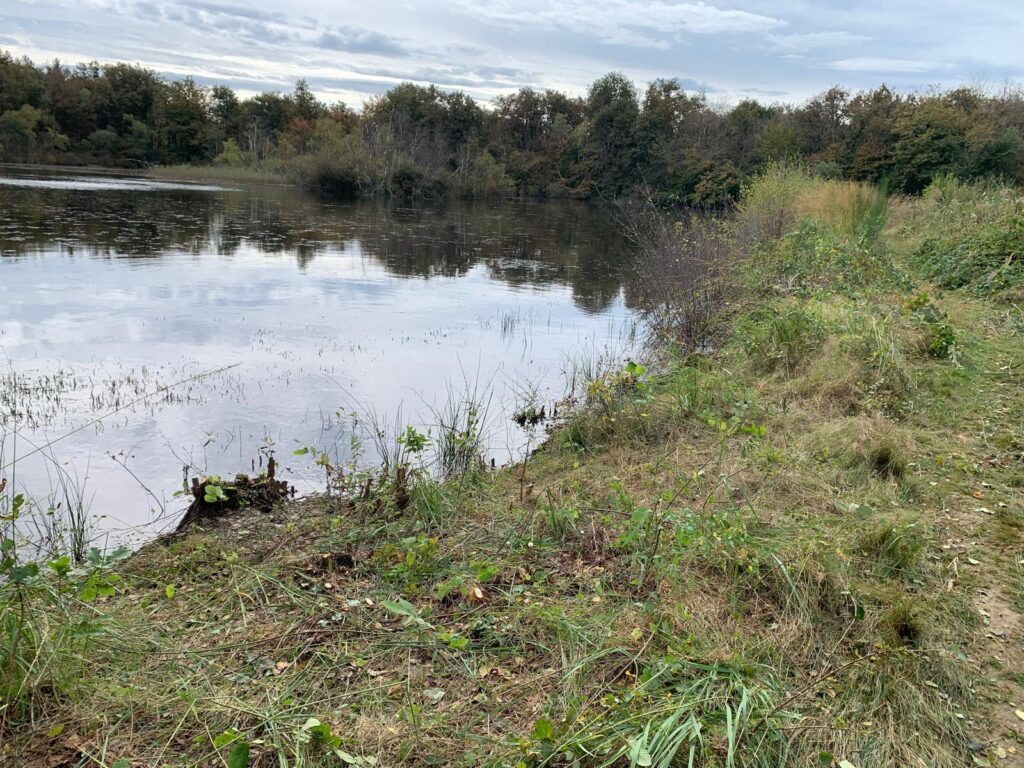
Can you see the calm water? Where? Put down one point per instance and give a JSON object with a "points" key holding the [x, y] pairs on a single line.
{"points": [[112, 288]]}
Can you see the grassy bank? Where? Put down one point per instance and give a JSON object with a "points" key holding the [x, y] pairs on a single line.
{"points": [[225, 174], [803, 548]]}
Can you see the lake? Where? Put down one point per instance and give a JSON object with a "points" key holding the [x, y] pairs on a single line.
{"points": [[211, 327]]}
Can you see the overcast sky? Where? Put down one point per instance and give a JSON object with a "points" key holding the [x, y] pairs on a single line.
{"points": [[784, 50]]}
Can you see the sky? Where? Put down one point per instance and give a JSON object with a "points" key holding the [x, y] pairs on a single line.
{"points": [[779, 51]]}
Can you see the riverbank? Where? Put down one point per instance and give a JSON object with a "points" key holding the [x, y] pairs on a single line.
{"points": [[224, 174], [806, 548]]}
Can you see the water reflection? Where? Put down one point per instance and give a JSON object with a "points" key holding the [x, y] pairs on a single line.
{"points": [[110, 293], [522, 243]]}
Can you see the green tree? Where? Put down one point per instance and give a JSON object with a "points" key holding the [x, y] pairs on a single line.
{"points": [[28, 134], [868, 154], [609, 146], [930, 140], [185, 135], [307, 105], [20, 83], [134, 95]]}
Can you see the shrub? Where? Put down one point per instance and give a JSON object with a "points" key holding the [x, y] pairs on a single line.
{"points": [[940, 336], [766, 208], [481, 176], [333, 175], [684, 284], [230, 156]]}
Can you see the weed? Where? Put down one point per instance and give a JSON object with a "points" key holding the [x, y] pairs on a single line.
{"points": [[783, 339], [894, 552], [889, 384], [977, 238]]}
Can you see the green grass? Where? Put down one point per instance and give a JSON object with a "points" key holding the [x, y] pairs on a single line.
{"points": [[767, 556], [974, 237]]}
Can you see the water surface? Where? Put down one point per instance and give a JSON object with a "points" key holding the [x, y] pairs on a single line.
{"points": [[263, 317]]}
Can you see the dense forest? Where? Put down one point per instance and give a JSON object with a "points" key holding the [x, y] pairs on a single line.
{"points": [[424, 141]]}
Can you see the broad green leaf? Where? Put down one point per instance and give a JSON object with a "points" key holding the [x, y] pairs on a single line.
{"points": [[221, 740], [404, 608], [239, 755], [543, 730]]}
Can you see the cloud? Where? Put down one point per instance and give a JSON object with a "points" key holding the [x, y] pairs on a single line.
{"points": [[358, 40], [807, 41], [886, 65], [227, 9], [785, 49], [625, 22], [198, 15]]}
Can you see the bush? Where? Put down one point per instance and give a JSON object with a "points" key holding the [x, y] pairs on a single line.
{"points": [[230, 156], [685, 281], [766, 207], [334, 175], [481, 176], [940, 336]]}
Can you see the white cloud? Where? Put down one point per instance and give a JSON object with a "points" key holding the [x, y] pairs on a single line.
{"points": [[807, 41], [349, 49], [628, 22], [886, 65]]}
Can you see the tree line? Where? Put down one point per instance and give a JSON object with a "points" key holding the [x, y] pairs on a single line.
{"points": [[422, 141]]}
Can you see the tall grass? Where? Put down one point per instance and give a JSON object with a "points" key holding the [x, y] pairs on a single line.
{"points": [[460, 426], [783, 194], [973, 236]]}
